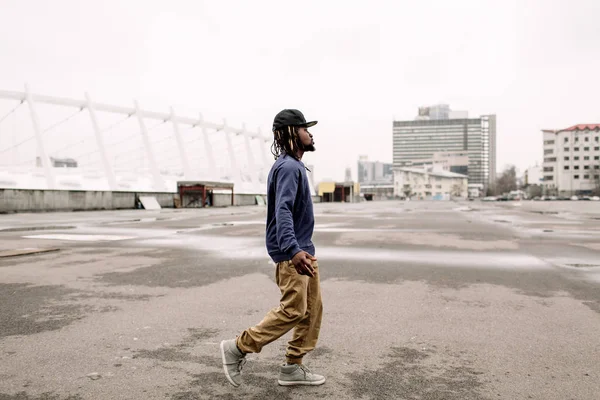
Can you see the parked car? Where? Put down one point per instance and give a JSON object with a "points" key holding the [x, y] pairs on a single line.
{"points": [[574, 198], [489, 198], [595, 198]]}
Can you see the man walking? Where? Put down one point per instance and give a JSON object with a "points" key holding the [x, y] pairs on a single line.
{"points": [[290, 223]]}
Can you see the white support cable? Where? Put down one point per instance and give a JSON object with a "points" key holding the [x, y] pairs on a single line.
{"points": [[70, 146], [86, 154], [163, 139], [193, 140], [25, 162], [124, 140], [16, 145], [173, 165], [134, 135], [106, 129], [124, 152], [112, 126], [129, 151], [170, 150], [12, 111], [61, 121], [129, 161]]}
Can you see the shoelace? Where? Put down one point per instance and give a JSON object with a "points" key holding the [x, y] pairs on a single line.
{"points": [[305, 370], [241, 364]]}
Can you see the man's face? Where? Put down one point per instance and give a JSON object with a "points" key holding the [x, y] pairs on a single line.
{"points": [[306, 138]]}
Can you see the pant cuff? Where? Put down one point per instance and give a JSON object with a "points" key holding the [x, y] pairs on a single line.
{"points": [[243, 350], [293, 360]]}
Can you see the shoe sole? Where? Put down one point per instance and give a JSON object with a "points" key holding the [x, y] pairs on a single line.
{"points": [[225, 365], [301, 383]]}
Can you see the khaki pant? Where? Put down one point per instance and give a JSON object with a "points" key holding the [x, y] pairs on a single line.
{"points": [[300, 308]]}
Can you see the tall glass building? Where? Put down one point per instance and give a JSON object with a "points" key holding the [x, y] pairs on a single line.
{"points": [[415, 142]]}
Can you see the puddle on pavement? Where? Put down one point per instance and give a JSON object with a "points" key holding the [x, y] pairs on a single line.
{"points": [[584, 265], [218, 225], [80, 237], [37, 228], [437, 258], [243, 248]]}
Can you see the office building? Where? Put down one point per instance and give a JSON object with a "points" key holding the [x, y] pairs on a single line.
{"points": [[572, 160], [415, 143]]}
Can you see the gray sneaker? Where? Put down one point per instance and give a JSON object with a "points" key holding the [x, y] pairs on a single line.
{"points": [[233, 361], [291, 375]]}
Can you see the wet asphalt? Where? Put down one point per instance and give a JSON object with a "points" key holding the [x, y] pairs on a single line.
{"points": [[422, 300]]}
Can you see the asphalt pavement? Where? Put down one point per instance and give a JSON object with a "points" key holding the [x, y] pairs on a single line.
{"points": [[422, 300]]}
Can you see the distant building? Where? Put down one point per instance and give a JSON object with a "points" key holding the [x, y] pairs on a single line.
{"points": [[532, 182], [438, 111], [475, 190], [533, 176], [429, 184], [345, 192], [311, 178], [436, 132], [452, 161], [374, 172], [377, 192], [348, 175], [376, 179], [572, 160]]}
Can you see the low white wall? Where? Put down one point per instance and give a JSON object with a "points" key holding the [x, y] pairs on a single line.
{"points": [[22, 200]]}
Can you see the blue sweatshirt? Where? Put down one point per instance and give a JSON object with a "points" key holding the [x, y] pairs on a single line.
{"points": [[290, 218]]}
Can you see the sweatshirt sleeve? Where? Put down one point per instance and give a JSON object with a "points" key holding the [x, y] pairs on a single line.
{"points": [[287, 180]]}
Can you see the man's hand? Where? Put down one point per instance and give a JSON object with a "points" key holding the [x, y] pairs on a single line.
{"points": [[303, 263]]}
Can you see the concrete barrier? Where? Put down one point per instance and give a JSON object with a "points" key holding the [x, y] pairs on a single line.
{"points": [[22, 200], [166, 200], [224, 199]]}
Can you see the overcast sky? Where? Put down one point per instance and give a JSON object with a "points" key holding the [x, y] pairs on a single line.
{"points": [[354, 66]]}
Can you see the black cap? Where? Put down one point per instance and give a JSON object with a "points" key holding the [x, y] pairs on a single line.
{"points": [[290, 117]]}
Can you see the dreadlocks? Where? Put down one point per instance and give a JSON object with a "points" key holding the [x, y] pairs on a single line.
{"points": [[286, 140]]}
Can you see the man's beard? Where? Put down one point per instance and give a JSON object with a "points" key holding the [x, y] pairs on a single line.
{"points": [[308, 147]]}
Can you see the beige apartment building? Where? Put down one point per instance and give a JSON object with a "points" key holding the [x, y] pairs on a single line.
{"points": [[572, 160], [429, 184]]}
